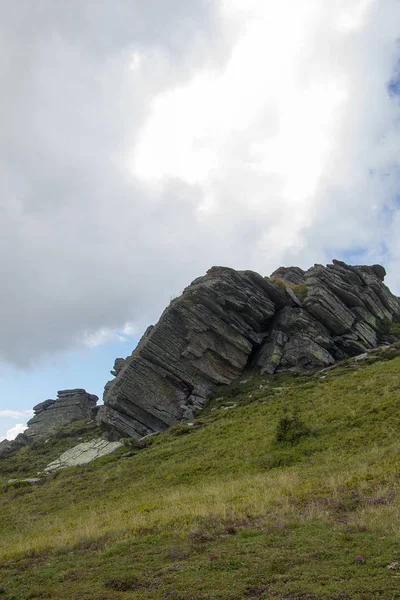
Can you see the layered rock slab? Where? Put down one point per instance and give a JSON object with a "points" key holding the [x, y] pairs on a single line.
{"points": [[296, 340], [83, 454], [340, 316], [203, 338], [227, 319]]}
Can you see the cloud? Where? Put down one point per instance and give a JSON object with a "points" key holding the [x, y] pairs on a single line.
{"points": [[13, 432], [143, 142], [106, 336], [15, 414]]}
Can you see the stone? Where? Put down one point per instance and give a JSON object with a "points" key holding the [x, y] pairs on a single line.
{"points": [[296, 341], [10, 447], [228, 320], [83, 454], [203, 338], [327, 308], [50, 415], [362, 356], [291, 275], [118, 366]]}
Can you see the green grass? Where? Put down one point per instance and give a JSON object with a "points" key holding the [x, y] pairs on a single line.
{"points": [[31, 459], [301, 290], [223, 509]]}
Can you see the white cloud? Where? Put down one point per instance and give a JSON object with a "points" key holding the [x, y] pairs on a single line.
{"points": [[106, 336], [237, 132], [290, 130], [15, 414], [14, 431], [100, 337]]}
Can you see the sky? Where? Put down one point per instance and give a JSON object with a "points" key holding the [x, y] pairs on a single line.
{"points": [[143, 142]]}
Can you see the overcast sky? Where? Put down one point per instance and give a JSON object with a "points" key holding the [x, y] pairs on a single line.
{"points": [[143, 142]]}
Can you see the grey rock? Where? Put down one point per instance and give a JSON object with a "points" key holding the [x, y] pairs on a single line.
{"points": [[83, 454], [50, 415], [326, 307], [149, 436], [296, 341], [361, 357], [5, 448], [42, 406], [229, 319], [268, 358], [291, 275], [203, 338], [118, 366], [10, 447]]}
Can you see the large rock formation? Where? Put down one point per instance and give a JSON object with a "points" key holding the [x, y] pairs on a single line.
{"points": [[50, 415], [229, 319], [342, 311]]}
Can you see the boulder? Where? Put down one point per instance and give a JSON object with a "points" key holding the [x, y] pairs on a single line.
{"points": [[83, 454], [290, 275]]}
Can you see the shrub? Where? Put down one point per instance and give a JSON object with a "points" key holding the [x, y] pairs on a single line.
{"points": [[139, 444], [301, 290], [179, 429], [388, 329], [124, 584], [280, 283], [290, 427]]}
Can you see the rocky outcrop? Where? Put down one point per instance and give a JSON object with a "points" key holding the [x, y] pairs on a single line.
{"points": [[348, 302], [9, 447], [82, 454], [205, 337], [50, 415], [229, 319]]}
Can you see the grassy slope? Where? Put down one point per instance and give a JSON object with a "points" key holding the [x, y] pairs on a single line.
{"points": [[222, 510]]}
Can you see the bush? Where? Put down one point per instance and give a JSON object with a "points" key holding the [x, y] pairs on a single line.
{"points": [[135, 444], [179, 429], [388, 329], [301, 290], [290, 427], [280, 283]]}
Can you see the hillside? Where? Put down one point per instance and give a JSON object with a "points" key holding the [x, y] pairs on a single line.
{"points": [[285, 486]]}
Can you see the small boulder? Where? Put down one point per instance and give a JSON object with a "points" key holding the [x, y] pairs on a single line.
{"points": [[83, 454]]}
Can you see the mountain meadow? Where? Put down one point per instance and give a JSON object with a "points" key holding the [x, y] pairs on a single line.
{"points": [[285, 486]]}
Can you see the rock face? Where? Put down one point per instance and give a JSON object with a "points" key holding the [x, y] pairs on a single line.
{"points": [[204, 337], [229, 319], [83, 454], [342, 311], [70, 406]]}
